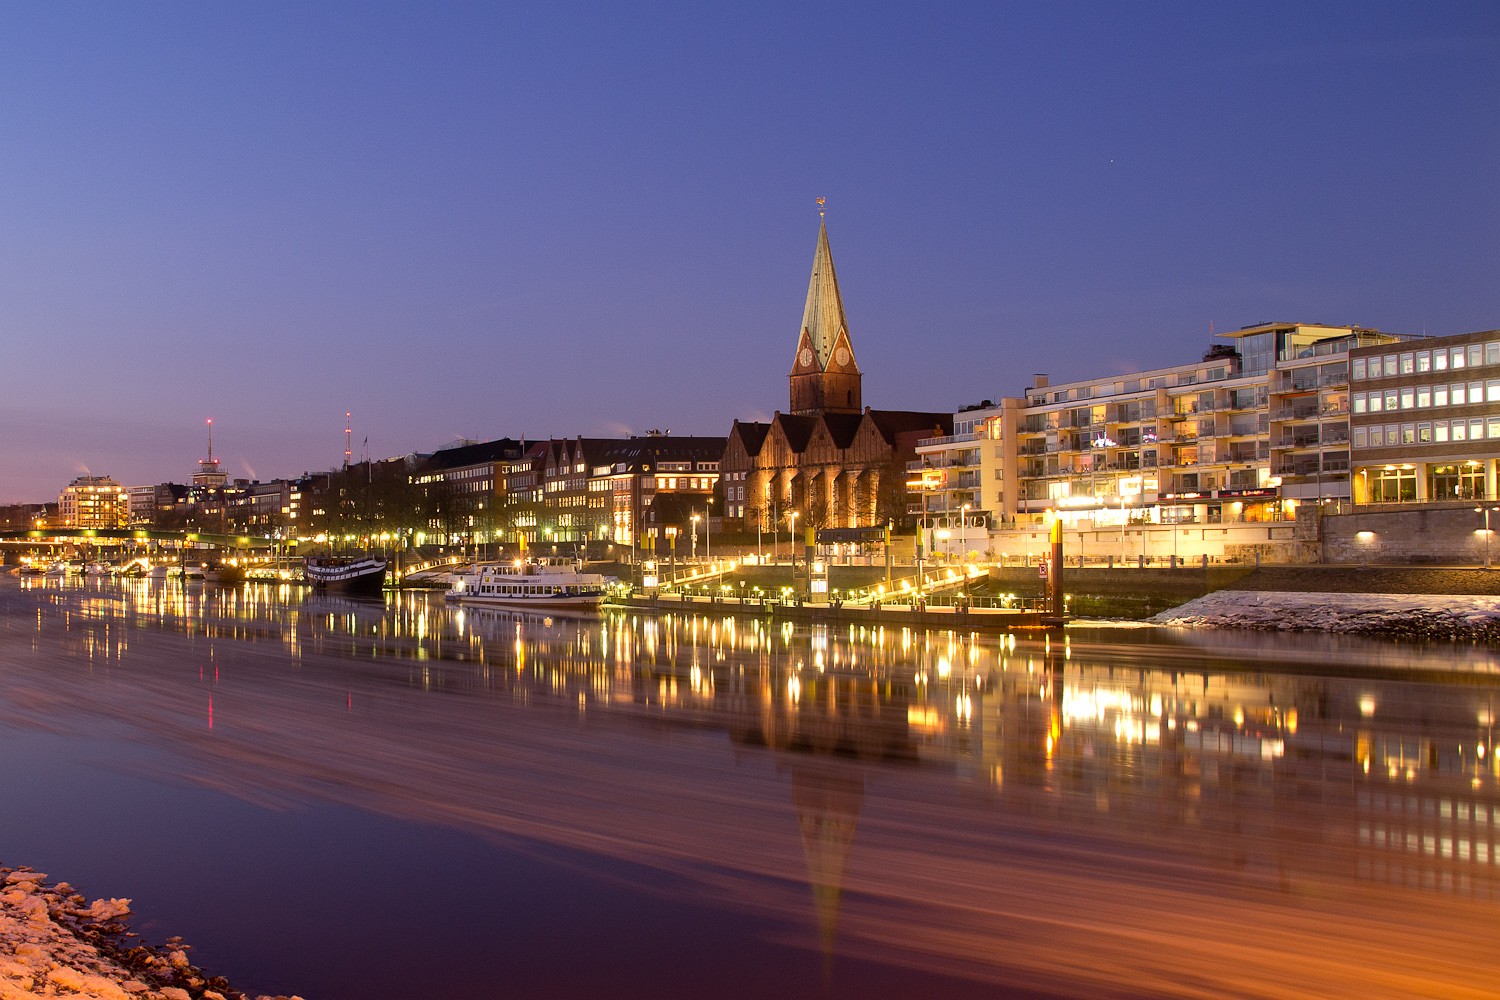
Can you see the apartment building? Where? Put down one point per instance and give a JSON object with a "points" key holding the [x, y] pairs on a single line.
{"points": [[94, 502], [1255, 427]]}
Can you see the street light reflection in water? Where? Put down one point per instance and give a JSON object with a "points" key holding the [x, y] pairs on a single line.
{"points": [[1113, 811]]}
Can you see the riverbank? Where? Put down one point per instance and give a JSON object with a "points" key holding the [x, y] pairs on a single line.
{"points": [[55, 943], [1415, 615]]}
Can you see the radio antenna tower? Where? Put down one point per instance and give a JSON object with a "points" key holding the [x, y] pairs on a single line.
{"points": [[348, 438]]}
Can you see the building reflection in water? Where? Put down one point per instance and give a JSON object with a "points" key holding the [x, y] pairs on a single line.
{"points": [[1265, 759]]}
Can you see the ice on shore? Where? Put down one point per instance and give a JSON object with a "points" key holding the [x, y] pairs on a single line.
{"points": [[55, 943], [1420, 616]]}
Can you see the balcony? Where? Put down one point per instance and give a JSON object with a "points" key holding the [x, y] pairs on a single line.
{"points": [[948, 439]]}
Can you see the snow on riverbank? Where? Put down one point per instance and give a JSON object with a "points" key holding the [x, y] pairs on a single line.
{"points": [[55, 943], [1416, 616]]}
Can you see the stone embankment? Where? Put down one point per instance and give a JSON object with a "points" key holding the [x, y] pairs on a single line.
{"points": [[1387, 602], [55, 943]]}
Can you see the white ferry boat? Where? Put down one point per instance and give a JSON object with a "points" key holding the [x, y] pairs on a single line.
{"points": [[539, 583]]}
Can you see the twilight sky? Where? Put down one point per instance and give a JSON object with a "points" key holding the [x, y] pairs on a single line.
{"points": [[499, 219]]}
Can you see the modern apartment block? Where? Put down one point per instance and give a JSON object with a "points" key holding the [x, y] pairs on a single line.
{"points": [[1425, 419], [959, 481], [1257, 426], [94, 502]]}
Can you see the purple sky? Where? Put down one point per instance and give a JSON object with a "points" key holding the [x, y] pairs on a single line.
{"points": [[482, 220]]}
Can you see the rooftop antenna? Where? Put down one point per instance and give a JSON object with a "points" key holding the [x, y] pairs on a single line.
{"points": [[348, 438], [210, 440]]}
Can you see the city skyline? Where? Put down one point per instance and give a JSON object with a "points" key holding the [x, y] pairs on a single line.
{"points": [[476, 223]]}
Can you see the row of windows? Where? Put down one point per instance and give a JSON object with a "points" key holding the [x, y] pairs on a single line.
{"points": [[1427, 432], [1431, 360], [1420, 397]]}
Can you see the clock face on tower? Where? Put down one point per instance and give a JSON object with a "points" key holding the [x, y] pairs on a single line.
{"points": [[806, 357], [842, 356]]}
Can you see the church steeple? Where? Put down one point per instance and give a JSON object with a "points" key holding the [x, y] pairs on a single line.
{"points": [[824, 377]]}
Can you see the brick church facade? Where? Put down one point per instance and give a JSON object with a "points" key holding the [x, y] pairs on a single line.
{"points": [[831, 460]]}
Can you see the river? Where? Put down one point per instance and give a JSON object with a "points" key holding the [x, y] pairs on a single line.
{"points": [[403, 799]]}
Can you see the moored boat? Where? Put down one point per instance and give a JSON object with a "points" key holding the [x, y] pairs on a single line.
{"points": [[541, 584], [345, 574]]}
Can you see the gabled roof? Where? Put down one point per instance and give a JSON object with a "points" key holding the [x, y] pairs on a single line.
{"points": [[796, 429], [843, 427], [751, 435]]}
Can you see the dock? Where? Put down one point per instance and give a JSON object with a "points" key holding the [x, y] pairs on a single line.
{"points": [[888, 614]]}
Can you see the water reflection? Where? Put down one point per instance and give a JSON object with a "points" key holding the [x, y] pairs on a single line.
{"points": [[1071, 813]]}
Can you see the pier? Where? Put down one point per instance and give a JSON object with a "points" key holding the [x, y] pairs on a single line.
{"points": [[963, 618]]}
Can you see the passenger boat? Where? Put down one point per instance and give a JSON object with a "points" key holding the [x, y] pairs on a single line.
{"points": [[345, 574], [541, 584]]}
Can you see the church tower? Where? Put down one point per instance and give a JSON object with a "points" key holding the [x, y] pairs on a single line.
{"points": [[824, 378]]}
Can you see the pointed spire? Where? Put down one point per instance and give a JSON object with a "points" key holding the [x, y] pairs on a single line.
{"points": [[823, 316]]}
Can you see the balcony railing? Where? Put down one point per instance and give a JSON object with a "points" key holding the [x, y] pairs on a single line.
{"points": [[948, 439]]}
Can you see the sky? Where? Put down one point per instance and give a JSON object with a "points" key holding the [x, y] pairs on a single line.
{"points": [[483, 220]]}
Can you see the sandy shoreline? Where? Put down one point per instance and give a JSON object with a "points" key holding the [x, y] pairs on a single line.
{"points": [[56, 943]]}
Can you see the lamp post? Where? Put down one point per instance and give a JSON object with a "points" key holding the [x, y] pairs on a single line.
{"points": [[963, 534], [1486, 512], [694, 519], [708, 530], [1122, 529], [792, 531]]}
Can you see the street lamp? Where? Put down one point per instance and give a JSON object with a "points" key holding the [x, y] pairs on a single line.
{"points": [[1486, 512], [708, 529], [963, 534], [694, 519], [792, 518]]}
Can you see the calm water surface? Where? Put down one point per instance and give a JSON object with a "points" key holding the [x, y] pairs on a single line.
{"points": [[353, 799]]}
